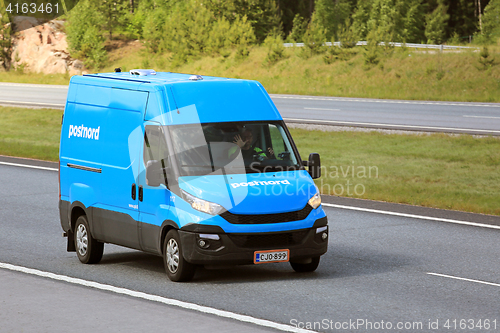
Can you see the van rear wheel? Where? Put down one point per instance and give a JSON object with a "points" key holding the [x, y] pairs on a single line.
{"points": [[177, 268], [303, 268], [88, 250]]}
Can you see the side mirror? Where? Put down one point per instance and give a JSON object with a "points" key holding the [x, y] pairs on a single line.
{"points": [[314, 165], [154, 173]]}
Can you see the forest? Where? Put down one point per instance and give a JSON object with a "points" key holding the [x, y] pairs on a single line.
{"points": [[190, 28]]}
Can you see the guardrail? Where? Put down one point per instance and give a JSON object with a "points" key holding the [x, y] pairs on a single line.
{"points": [[408, 45]]}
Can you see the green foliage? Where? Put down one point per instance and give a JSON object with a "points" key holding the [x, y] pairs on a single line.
{"points": [[347, 35], [242, 35], [393, 20], [113, 12], [218, 43], [92, 48], [413, 21], [335, 53], [436, 23], [84, 34], [261, 14], [331, 15], [5, 39], [454, 39], [491, 21], [152, 30], [134, 24], [289, 10], [314, 38], [299, 29], [485, 60], [382, 21], [463, 17], [191, 29], [360, 18], [276, 50], [373, 50]]}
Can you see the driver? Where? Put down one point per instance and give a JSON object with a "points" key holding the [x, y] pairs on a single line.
{"points": [[244, 142]]}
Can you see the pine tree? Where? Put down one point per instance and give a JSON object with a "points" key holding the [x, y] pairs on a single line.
{"points": [[436, 24], [289, 9], [5, 39], [263, 15], [414, 21], [331, 14], [383, 20], [84, 33], [463, 18], [360, 18], [298, 30], [491, 20], [314, 38], [113, 12]]}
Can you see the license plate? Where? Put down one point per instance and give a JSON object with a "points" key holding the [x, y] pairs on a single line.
{"points": [[261, 257]]}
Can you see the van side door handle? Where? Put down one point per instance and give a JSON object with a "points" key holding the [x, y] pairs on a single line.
{"points": [[140, 193], [133, 192]]}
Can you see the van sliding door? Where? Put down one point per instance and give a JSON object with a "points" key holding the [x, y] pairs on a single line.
{"points": [[118, 212]]}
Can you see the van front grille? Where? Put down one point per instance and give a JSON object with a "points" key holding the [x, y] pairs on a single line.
{"points": [[297, 215], [262, 241]]}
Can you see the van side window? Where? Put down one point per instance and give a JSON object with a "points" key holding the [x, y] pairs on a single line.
{"points": [[155, 147], [277, 143]]}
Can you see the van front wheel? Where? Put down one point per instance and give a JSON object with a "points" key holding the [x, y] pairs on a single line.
{"points": [[177, 268], [303, 268], [88, 250]]}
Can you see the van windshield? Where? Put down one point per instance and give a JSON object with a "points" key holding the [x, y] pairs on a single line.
{"points": [[233, 147]]}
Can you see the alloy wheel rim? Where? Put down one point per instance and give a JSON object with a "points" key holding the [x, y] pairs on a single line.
{"points": [[82, 240], [172, 255]]}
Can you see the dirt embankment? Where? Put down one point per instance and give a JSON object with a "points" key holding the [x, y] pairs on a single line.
{"points": [[43, 49]]}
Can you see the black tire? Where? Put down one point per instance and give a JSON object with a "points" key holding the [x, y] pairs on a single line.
{"points": [[177, 268], [304, 268], [88, 250]]}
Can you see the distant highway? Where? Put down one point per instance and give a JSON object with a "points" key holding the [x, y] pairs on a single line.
{"points": [[450, 117]]}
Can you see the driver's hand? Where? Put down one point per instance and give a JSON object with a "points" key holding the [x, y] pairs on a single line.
{"points": [[239, 141]]}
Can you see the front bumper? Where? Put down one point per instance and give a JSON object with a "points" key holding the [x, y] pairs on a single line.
{"points": [[238, 249]]}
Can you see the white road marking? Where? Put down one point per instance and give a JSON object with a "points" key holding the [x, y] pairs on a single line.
{"points": [[421, 128], [474, 224], [155, 298], [29, 166], [467, 116], [321, 109], [33, 103], [337, 99], [464, 279], [48, 86]]}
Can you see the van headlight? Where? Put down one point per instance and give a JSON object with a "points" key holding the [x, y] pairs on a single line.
{"points": [[202, 205], [315, 201]]}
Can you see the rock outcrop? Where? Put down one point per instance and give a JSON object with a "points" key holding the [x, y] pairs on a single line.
{"points": [[43, 48]]}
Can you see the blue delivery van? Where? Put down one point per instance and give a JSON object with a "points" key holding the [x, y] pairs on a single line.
{"points": [[199, 170]]}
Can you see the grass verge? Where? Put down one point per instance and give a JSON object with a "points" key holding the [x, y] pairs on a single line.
{"points": [[405, 73], [459, 172], [30, 133], [438, 170]]}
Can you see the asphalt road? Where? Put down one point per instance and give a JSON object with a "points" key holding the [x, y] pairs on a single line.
{"points": [[380, 270], [455, 117]]}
